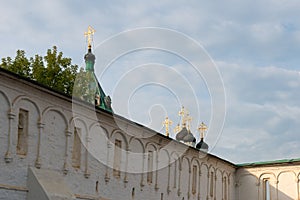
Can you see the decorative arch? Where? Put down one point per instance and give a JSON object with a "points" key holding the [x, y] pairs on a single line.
{"points": [[175, 162], [247, 183], [211, 182], [139, 140], [286, 185], [185, 174], [78, 140], [196, 177], [31, 130], [265, 174], [6, 98], [163, 167], [286, 171], [148, 144], [26, 98], [225, 185], [205, 165], [195, 159], [228, 174], [77, 118], [165, 150], [161, 157], [219, 170], [247, 174], [8, 157], [118, 131], [188, 161], [211, 167], [95, 124], [58, 111], [57, 157], [136, 154]]}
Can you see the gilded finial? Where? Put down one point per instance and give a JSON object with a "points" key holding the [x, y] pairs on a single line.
{"points": [[167, 123], [189, 120], [177, 128], [202, 128], [89, 35], [182, 113]]}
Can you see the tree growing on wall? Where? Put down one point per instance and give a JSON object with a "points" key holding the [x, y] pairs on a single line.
{"points": [[52, 70]]}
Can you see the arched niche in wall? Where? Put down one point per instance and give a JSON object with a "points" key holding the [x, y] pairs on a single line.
{"points": [[53, 139], [174, 173], [98, 143], [77, 142], [27, 116], [219, 184], [247, 187], [185, 177], [287, 185], [118, 152], [195, 178], [164, 170], [204, 181], [4, 107], [136, 161]]}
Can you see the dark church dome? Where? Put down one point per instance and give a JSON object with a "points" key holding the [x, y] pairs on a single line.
{"points": [[202, 146], [189, 137], [181, 134]]}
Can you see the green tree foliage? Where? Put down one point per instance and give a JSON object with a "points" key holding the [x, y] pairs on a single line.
{"points": [[52, 70], [20, 65]]}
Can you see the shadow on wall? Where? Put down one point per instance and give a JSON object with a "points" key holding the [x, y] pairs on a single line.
{"points": [[268, 186]]}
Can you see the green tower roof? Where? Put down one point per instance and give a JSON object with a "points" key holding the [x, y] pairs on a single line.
{"points": [[98, 96]]}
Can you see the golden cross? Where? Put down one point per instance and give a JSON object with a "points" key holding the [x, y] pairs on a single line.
{"points": [[202, 128], [189, 120], [89, 35], [177, 129], [181, 113], [167, 123]]}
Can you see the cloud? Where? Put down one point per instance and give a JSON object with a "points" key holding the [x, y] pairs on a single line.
{"points": [[256, 44], [263, 113], [250, 31]]}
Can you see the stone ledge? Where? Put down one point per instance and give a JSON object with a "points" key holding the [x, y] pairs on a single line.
{"points": [[88, 197], [13, 187]]}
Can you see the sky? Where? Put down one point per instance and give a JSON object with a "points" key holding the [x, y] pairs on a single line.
{"points": [[251, 103]]}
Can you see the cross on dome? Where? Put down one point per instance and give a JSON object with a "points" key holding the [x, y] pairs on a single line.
{"points": [[89, 35], [202, 128], [167, 123]]}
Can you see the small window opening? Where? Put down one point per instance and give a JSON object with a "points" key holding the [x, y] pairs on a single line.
{"points": [[267, 194], [76, 153], [22, 144]]}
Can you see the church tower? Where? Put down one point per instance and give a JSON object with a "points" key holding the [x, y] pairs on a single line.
{"points": [[94, 93]]}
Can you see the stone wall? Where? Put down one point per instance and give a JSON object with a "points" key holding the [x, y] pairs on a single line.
{"points": [[49, 136], [283, 180]]}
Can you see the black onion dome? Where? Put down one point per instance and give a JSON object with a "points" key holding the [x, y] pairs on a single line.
{"points": [[194, 141], [181, 134], [189, 137], [202, 146]]}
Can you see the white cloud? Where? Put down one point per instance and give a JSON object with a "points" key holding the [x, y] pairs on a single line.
{"points": [[263, 102], [263, 113]]}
